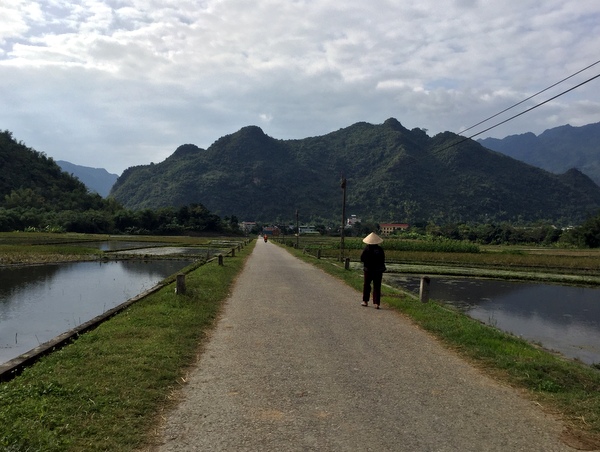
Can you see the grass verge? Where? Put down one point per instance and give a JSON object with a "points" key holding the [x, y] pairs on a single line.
{"points": [[561, 386], [104, 391], [27, 255]]}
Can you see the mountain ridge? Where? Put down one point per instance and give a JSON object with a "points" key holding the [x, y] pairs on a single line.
{"points": [[393, 174], [97, 180], [555, 150]]}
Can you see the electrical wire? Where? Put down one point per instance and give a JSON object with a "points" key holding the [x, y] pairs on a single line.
{"points": [[530, 97], [535, 106], [519, 114]]}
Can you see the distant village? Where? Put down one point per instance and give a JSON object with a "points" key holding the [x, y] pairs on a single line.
{"points": [[249, 227]]}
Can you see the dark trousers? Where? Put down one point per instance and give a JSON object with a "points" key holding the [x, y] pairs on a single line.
{"points": [[375, 278]]}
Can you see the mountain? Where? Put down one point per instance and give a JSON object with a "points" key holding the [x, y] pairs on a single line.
{"points": [[555, 150], [31, 180], [393, 174], [97, 180]]}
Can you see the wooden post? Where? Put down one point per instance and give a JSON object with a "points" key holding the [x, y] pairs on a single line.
{"points": [[232, 252], [342, 245], [424, 291], [180, 289], [220, 259], [319, 254], [347, 264]]}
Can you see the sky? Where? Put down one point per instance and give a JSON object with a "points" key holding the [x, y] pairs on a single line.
{"points": [[118, 83]]}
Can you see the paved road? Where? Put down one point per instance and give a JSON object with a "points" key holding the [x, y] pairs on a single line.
{"points": [[296, 364]]}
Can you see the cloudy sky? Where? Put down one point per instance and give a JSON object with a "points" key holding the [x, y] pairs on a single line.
{"points": [[117, 83]]}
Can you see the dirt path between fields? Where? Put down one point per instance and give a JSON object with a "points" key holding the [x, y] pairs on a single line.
{"points": [[296, 364]]}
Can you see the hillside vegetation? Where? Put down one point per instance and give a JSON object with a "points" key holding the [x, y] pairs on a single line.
{"points": [[393, 174], [30, 179], [35, 194]]}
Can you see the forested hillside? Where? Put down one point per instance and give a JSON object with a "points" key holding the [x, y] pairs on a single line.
{"points": [[31, 179], [555, 150], [35, 194], [393, 174]]}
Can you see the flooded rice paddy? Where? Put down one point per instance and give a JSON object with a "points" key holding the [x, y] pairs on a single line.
{"points": [[40, 302], [560, 318]]}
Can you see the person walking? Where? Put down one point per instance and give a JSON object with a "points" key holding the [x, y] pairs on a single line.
{"points": [[373, 259]]}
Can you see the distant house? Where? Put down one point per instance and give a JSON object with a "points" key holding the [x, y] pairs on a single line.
{"points": [[247, 226], [271, 230], [307, 230], [352, 220], [389, 228]]}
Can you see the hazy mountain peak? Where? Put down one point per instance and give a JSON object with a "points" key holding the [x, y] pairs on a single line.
{"points": [[97, 180], [556, 150]]}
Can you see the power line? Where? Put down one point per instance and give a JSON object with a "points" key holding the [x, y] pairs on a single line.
{"points": [[522, 113], [530, 97]]}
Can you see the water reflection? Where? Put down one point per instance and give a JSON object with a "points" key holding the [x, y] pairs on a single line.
{"points": [[115, 245], [155, 248], [173, 250], [561, 318], [40, 302]]}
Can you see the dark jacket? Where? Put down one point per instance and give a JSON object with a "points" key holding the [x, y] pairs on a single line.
{"points": [[373, 258]]}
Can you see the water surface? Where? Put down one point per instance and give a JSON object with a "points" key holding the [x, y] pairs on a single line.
{"points": [[561, 318], [38, 303]]}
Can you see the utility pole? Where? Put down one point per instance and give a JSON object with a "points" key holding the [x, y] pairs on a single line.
{"points": [[343, 218], [297, 230]]}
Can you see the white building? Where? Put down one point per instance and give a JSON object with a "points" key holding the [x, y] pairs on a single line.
{"points": [[352, 220]]}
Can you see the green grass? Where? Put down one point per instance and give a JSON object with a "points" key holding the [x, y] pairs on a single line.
{"points": [[567, 387], [103, 391], [515, 262], [23, 254], [432, 245]]}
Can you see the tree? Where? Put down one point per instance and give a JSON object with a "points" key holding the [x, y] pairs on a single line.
{"points": [[23, 197], [125, 220], [590, 232]]}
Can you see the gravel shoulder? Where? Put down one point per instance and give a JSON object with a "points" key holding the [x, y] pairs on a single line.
{"points": [[296, 364]]}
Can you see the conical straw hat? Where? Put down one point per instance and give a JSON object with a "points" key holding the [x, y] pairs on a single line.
{"points": [[372, 239]]}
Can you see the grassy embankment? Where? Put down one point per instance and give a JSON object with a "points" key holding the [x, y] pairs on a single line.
{"points": [[569, 388], [106, 390]]}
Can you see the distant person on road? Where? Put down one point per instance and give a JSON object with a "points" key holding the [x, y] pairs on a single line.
{"points": [[265, 237], [373, 259]]}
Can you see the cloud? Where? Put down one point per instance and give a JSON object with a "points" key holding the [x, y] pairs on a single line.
{"points": [[113, 84]]}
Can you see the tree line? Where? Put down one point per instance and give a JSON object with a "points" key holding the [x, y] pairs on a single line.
{"points": [[22, 213], [114, 219], [586, 235]]}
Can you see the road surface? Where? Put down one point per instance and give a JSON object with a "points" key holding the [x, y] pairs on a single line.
{"points": [[295, 363]]}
